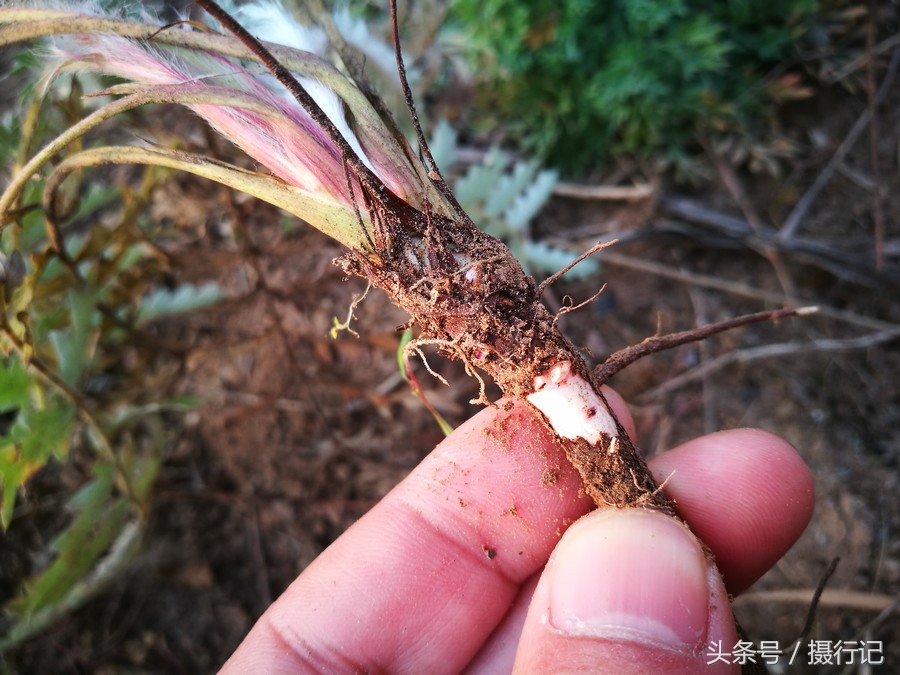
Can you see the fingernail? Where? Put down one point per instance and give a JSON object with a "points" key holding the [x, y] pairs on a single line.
{"points": [[630, 575]]}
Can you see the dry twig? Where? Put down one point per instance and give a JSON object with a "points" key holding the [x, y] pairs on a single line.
{"points": [[738, 194], [629, 193], [875, 167], [743, 290], [801, 208], [657, 343], [855, 64], [840, 598], [769, 352]]}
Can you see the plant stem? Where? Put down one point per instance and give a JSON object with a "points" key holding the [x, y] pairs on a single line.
{"points": [[659, 343]]}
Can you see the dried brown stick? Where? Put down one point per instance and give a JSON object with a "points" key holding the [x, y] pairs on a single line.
{"points": [[875, 166], [888, 612], [699, 303], [814, 603], [743, 290], [745, 204], [434, 172], [855, 64], [801, 208], [841, 598], [624, 193], [841, 262], [849, 260], [768, 352], [553, 278], [628, 355]]}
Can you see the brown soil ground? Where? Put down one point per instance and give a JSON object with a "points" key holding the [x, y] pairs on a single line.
{"points": [[300, 434]]}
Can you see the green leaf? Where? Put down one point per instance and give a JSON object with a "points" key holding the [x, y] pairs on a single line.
{"points": [[143, 472], [126, 413], [34, 438], [530, 201], [443, 145], [480, 179], [14, 384], [9, 138], [13, 474], [132, 255], [509, 187], [41, 434], [95, 197], [548, 259], [185, 298], [405, 339], [71, 346], [98, 520], [578, 82]]}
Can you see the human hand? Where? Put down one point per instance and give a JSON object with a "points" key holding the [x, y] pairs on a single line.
{"points": [[439, 576]]}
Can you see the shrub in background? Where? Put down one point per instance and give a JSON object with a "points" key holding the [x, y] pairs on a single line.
{"points": [[578, 80]]}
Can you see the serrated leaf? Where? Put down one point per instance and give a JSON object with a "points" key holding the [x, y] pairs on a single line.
{"points": [[132, 255], [480, 179], [9, 139], [91, 496], [509, 187], [33, 230], [71, 346], [142, 474], [14, 384], [35, 437], [443, 145], [41, 434], [89, 505], [549, 259], [13, 473], [471, 188], [120, 553], [95, 197], [125, 413], [23, 295], [78, 549], [185, 298], [529, 202]]}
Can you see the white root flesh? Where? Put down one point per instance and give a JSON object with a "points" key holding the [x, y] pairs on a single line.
{"points": [[571, 405]]}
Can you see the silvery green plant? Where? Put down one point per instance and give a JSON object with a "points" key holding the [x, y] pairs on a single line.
{"points": [[504, 201]]}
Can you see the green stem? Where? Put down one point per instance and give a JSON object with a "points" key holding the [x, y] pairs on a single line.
{"points": [[292, 200], [337, 221], [121, 553]]}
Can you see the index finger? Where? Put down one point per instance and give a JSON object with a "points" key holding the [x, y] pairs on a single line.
{"points": [[422, 580]]}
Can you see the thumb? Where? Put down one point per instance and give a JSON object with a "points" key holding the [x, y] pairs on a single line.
{"points": [[627, 591]]}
